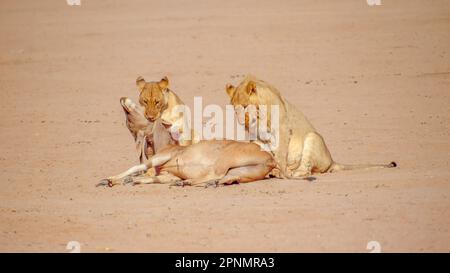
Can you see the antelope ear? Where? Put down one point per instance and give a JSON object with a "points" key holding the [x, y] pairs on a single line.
{"points": [[140, 83], [230, 90], [164, 83], [251, 88]]}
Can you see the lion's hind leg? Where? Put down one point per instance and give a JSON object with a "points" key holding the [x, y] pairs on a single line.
{"points": [[315, 156]]}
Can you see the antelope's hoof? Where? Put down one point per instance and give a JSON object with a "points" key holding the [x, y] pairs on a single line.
{"points": [[310, 178], [128, 180], [104, 182], [181, 183], [212, 183], [177, 184], [112, 182]]}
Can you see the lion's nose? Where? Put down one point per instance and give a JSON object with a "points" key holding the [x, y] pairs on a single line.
{"points": [[148, 116]]}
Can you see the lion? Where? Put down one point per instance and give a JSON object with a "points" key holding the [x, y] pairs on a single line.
{"points": [[162, 103], [208, 162], [301, 149]]}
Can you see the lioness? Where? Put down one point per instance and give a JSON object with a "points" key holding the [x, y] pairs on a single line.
{"points": [[212, 162], [301, 149], [159, 103]]}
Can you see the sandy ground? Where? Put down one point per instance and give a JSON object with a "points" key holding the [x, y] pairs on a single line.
{"points": [[375, 82]]}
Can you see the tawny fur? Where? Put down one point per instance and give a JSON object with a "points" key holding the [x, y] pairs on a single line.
{"points": [[207, 162], [213, 162], [160, 102], [149, 137], [302, 150]]}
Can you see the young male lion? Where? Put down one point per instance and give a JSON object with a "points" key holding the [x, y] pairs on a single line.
{"points": [[301, 150]]}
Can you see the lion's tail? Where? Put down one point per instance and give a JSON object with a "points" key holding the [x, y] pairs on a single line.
{"points": [[343, 167]]}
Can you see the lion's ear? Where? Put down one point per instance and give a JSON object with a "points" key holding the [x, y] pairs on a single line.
{"points": [[251, 88], [164, 83], [140, 83], [230, 90]]}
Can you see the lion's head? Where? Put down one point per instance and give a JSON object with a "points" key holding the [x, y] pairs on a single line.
{"points": [[153, 96], [251, 94]]}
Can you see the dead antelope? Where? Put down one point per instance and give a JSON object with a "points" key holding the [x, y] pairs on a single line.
{"points": [[214, 162], [149, 137]]}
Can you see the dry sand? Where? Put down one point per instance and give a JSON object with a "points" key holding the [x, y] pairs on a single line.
{"points": [[375, 82]]}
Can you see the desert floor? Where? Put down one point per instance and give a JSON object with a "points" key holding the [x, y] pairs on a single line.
{"points": [[374, 81]]}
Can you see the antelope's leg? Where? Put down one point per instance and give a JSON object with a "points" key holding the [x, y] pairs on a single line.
{"points": [[196, 181], [243, 174], [160, 179], [226, 180], [130, 171], [156, 160]]}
